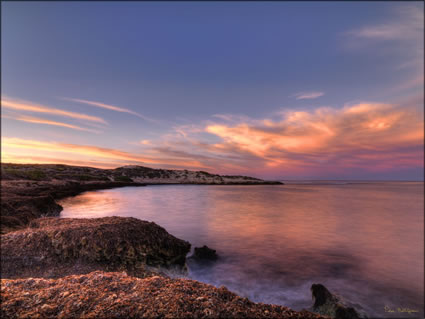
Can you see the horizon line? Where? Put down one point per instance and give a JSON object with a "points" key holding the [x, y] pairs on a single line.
{"points": [[274, 179]]}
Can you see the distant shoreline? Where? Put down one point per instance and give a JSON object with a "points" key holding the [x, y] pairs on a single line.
{"points": [[30, 191]]}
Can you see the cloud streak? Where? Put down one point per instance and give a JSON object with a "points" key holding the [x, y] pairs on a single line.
{"points": [[308, 95], [86, 153], [37, 120], [408, 23], [36, 108], [110, 107], [402, 35]]}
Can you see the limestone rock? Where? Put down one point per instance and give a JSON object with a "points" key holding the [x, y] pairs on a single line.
{"points": [[54, 247]]}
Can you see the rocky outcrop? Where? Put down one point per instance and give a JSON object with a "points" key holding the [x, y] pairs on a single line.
{"points": [[205, 253], [328, 304], [55, 247], [117, 295]]}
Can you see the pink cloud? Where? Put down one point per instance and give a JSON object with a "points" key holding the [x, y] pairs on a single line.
{"points": [[368, 136]]}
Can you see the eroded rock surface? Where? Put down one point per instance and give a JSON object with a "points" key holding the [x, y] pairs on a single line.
{"points": [[55, 247], [117, 295]]}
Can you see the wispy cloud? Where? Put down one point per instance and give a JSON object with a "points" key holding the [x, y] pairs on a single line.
{"points": [[383, 32], [308, 95], [37, 120], [112, 108], [407, 23], [404, 31], [37, 108], [12, 157], [97, 154]]}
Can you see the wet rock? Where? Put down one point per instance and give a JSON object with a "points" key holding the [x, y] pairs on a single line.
{"points": [[346, 313], [117, 295], [328, 304], [321, 295], [54, 247], [205, 253]]}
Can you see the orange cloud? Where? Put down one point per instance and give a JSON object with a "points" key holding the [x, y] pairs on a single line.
{"points": [[145, 142], [86, 153], [365, 135], [25, 159], [36, 120], [31, 107]]}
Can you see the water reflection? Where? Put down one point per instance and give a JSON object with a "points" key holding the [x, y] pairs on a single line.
{"points": [[364, 241]]}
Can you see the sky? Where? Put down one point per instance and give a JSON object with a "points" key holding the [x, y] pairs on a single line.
{"points": [[277, 90]]}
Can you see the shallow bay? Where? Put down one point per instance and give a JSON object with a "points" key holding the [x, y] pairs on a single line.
{"points": [[363, 241]]}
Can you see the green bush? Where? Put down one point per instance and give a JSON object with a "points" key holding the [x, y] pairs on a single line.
{"points": [[36, 175], [122, 178], [26, 174]]}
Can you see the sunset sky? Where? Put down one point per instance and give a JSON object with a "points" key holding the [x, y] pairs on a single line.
{"points": [[278, 90]]}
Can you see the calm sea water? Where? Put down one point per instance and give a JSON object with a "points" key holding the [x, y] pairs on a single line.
{"points": [[364, 241]]}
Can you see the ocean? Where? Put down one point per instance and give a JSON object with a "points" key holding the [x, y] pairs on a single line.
{"points": [[363, 240]]}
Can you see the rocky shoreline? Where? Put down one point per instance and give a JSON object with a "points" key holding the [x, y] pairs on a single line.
{"points": [[30, 191], [25, 200], [117, 295], [54, 247], [112, 267]]}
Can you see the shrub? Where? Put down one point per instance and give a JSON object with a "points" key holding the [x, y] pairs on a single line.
{"points": [[36, 175], [122, 178], [82, 177], [26, 174]]}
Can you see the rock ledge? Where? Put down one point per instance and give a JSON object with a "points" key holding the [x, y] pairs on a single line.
{"points": [[55, 247]]}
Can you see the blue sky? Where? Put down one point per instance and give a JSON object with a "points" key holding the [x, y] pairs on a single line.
{"points": [[187, 78]]}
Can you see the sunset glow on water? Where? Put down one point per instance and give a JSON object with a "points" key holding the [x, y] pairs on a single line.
{"points": [[362, 241]]}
